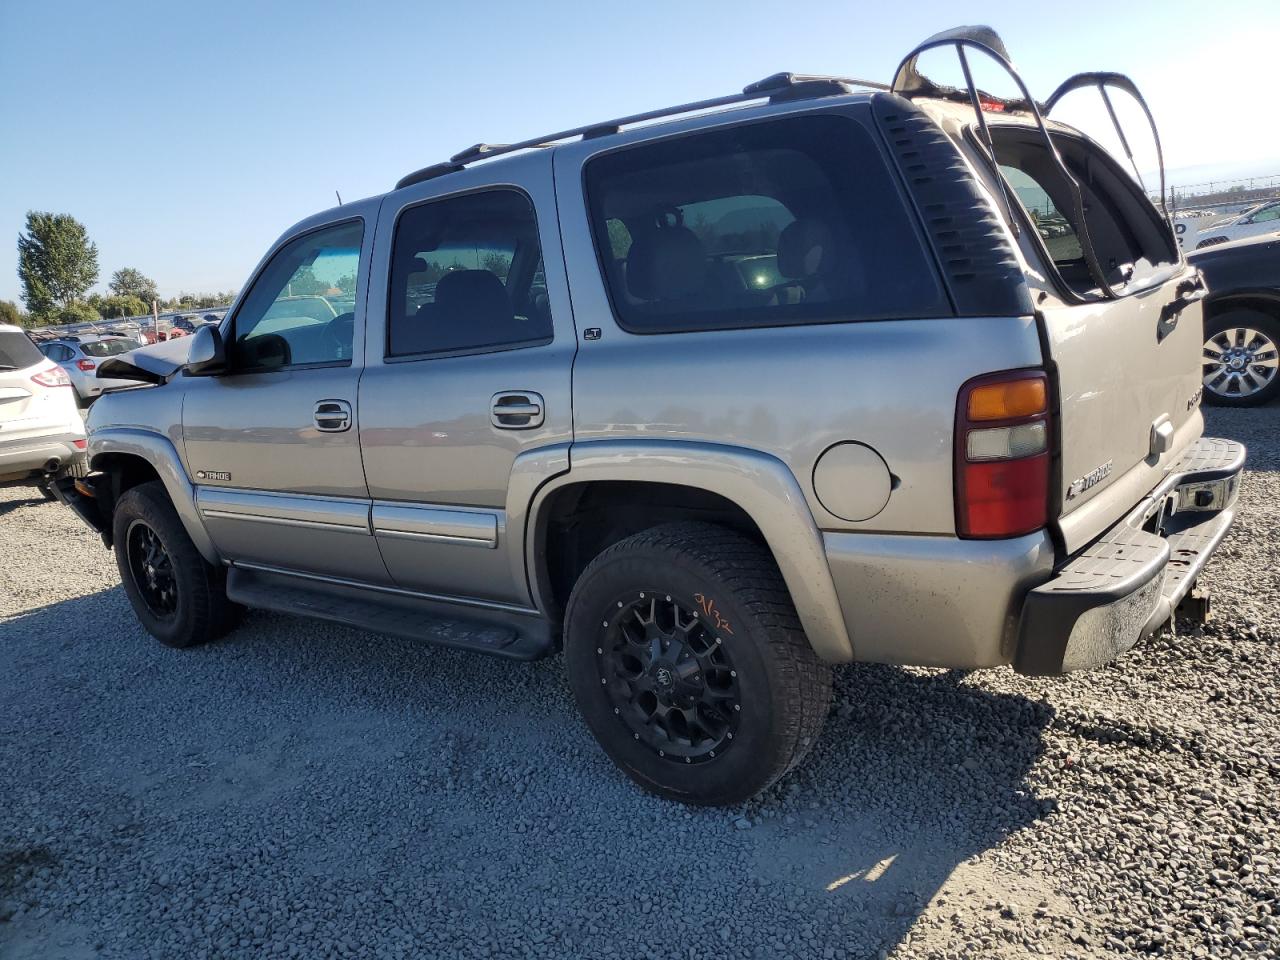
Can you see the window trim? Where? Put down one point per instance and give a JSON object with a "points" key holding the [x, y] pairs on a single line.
{"points": [[387, 355], [845, 112], [227, 328]]}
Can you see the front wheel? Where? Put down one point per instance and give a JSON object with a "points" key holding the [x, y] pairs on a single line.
{"points": [[178, 597], [688, 662], [1241, 358]]}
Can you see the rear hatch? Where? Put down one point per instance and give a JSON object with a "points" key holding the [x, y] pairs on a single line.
{"points": [[1119, 308], [1124, 342], [27, 408]]}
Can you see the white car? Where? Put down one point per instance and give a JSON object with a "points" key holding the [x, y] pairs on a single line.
{"points": [[41, 433], [1264, 218]]}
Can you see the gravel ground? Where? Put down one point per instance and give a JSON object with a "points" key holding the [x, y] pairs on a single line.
{"points": [[300, 789]]}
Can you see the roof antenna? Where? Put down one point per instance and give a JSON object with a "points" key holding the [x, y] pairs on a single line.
{"points": [[339, 196]]}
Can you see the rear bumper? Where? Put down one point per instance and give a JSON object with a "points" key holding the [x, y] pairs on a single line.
{"points": [[29, 457], [1128, 583]]}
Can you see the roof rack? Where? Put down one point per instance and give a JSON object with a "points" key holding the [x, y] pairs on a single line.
{"points": [[776, 87]]}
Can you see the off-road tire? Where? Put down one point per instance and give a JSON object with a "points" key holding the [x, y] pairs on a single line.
{"points": [[202, 611], [785, 689]]}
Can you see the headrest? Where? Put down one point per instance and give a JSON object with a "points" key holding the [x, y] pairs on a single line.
{"points": [[666, 264], [476, 295], [804, 248]]}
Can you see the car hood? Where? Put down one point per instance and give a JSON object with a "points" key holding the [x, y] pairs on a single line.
{"points": [[1223, 251], [154, 363]]}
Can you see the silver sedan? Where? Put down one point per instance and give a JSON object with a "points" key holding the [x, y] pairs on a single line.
{"points": [[80, 358]]}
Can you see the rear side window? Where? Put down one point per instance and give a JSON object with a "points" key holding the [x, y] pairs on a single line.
{"points": [[108, 348], [466, 276], [17, 352], [783, 222]]}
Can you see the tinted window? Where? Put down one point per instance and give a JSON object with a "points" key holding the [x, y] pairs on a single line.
{"points": [[790, 221], [17, 352], [108, 348], [466, 275], [301, 309]]}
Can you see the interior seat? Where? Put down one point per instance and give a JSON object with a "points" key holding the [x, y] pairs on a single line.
{"points": [[665, 264]]}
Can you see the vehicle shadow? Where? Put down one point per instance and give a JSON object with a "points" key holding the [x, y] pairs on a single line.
{"points": [[475, 775], [8, 506]]}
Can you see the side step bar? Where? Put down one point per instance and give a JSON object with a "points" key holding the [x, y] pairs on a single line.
{"points": [[502, 630]]}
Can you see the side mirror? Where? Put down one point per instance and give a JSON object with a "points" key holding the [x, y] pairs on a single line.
{"points": [[208, 353]]}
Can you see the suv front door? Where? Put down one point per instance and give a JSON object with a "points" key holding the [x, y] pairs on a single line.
{"points": [[271, 441], [470, 349]]}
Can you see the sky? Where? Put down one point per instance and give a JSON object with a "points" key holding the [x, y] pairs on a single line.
{"points": [[188, 136]]}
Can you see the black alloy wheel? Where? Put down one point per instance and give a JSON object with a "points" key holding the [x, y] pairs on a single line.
{"points": [[670, 678], [152, 570]]}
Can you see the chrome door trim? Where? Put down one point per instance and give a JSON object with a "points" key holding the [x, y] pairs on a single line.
{"points": [[399, 591], [473, 528], [334, 514]]}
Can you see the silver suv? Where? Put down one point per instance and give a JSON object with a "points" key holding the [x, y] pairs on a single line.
{"points": [[820, 372]]}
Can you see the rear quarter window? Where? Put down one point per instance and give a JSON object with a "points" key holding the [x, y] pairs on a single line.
{"points": [[17, 352], [781, 222]]}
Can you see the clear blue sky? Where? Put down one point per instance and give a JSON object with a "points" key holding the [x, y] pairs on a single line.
{"points": [[187, 136]]}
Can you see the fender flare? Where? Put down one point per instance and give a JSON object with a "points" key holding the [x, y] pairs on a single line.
{"points": [[763, 486], [160, 453]]}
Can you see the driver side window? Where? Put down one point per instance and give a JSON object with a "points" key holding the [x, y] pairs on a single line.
{"points": [[301, 310]]}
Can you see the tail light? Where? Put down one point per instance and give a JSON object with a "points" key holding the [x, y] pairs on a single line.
{"points": [[86, 365], [1002, 455], [52, 377]]}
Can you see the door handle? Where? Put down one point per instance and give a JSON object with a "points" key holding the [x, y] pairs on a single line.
{"points": [[1189, 291], [333, 416], [517, 410]]}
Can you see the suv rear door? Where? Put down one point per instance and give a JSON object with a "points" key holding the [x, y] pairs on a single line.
{"points": [[470, 351], [1118, 305], [1127, 364]]}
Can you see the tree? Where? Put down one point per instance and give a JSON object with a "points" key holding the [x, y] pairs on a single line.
{"points": [[77, 312], [57, 262], [123, 305], [9, 313], [128, 282]]}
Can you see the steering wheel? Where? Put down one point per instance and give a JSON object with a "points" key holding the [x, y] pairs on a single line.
{"points": [[341, 331]]}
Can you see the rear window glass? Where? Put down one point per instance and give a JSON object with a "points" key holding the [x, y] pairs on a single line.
{"points": [[783, 222], [17, 352], [109, 348]]}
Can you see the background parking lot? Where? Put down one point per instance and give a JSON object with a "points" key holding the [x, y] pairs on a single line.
{"points": [[301, 789]]}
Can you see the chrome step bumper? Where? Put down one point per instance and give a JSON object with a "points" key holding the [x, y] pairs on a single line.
{"points": [[1127, 584]]}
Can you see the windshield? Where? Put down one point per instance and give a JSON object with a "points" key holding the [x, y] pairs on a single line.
{"points": [[109, 348]]}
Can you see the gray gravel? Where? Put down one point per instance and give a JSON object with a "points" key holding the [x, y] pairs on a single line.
{"points": [[305, 790]]}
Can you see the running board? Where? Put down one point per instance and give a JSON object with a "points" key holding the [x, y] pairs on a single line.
{"points": [[500, 630]]}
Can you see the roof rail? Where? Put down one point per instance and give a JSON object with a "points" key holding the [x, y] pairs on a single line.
{"points": [[778, 86]]}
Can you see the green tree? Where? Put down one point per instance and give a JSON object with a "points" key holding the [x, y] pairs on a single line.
{"points": [[57, 262], [77, 312], [305, 282], [123, 305], [9, 313], [128, 282]]}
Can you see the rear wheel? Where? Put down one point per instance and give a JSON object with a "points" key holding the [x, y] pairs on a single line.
{"points": [[178, 597], [1241, 358], [689, 665]]}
